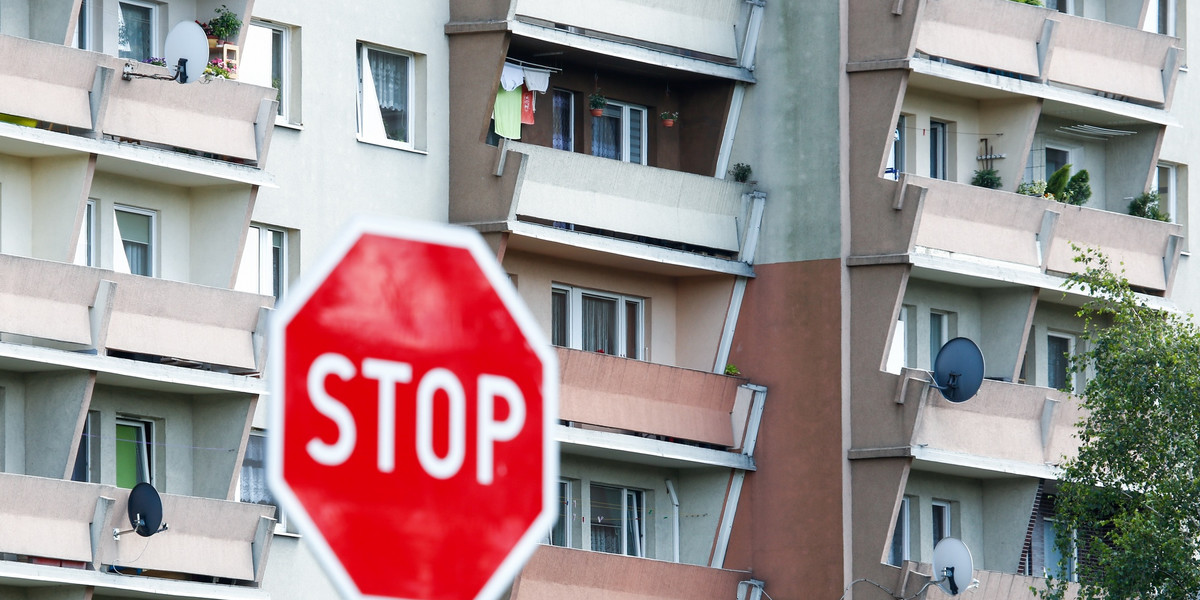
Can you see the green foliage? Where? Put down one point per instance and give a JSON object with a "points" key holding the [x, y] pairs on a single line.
{"points": [[1057, 182], [1033, 2], [1132, 494], [988, 178], [741, 172], [1032, 188], [597, 100], [1078, 189], [731, 369], [226, 24], [1148, 206]]}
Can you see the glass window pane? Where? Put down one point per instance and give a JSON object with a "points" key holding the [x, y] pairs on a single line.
{"points": [[633, 523], [941, 521], [606, 133], [248, 272], [559, 318], [599, 324], [559, 533], [389, 77], [1055, 160], [564, 135], [637, 133], [1058, 364], [278, 263], [135, 232], [134, 31], [606, 512], [633, 318], [132, 463], [262, 59]]}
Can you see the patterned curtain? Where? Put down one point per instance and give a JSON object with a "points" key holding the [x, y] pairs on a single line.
{"points": [[606, 136], [599, 324], [390, 74], [563, 136]]}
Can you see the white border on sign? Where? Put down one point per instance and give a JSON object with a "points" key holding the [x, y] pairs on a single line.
{"points": [[299, 294]]}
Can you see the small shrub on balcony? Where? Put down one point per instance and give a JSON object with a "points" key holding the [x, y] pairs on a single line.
{"points": [[741, 172], [1036, 189], [1067, 188], [1147, 206], [987, 178], [226, 24]]}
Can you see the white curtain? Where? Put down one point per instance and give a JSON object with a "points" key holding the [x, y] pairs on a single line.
{"points": [[134, 31], [606, 136], [389, 78], [599, 324]]}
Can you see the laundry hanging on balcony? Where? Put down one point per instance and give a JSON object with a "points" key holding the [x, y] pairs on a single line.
{"points": [[507, 113], [511, 77], [527, 107], [536, 80]]}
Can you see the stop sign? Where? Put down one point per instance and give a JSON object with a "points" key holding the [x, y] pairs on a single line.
{"points": [[412, 405]]}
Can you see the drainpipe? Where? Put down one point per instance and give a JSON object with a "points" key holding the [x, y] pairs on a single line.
{"points": [[675, 516]]}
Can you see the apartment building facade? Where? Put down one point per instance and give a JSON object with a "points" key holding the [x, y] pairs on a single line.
{"points": [[744, 360]]}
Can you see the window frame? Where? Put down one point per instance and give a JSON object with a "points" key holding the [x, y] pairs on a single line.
{"points": [[625, 120], [1069, 382], [946, 520], [87, 457], [85, 246], [943, 318], [271, 280], [284, 113], [898, 357], [1050, 530], [146, 444], [570, 114], [1168, 201], [155, 45], [562, 526], [152, 245], [896, 154], [410, 102], [282, 523], [638, 548], [901, 534], [574, 315], [84, 39], [939, 161]]}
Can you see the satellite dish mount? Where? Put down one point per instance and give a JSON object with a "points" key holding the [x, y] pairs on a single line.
{"points": [[958, 370], [186, 45], [145, 512]]}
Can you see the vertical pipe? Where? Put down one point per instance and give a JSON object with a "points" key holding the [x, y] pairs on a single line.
{"points": [[675, 516]]}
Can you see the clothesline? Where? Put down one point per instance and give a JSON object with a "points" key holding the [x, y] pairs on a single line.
{"points": [[522, 63]]}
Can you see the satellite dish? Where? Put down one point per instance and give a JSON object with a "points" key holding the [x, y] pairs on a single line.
{"points": [[953, 569], [187, 42], [145, 510], [958, 370]]}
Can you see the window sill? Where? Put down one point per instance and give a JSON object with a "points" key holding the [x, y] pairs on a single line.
{"points": [[389, 144], [282, 122]]}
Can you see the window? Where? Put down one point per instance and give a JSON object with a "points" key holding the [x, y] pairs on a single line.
{"points": [[560, 534], [939, 333], [620, 133], [135, 228], [941, 520], [1059, 349], [135, 444], [895, 165], [265, 61], [1053, 563], [597, 321], [1056, 158], [937, 149], [83, 27], [1164, 184], [898, 553], [564, 120], [617, 518], [85, 248], [385, 83], [898, 354], [264, 262], [1161, 17], [87, 458], [252, 479], [137, 30], [1062, 6]]}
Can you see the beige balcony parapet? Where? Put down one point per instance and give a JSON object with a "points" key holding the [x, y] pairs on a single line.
{"points": [[637, 200], [102, 309], [1038, 233], [993, 584], [68, 89], [1046, 45], [1005, 423], [644, 397], [553, 573], [72, 521]]}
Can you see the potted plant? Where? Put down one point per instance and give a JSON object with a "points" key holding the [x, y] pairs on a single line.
{"points": [[741, 172], [225, 25], [669, 118], [219, 69], [597, 102], [1148, 206], [988, 178], [208, 32]]}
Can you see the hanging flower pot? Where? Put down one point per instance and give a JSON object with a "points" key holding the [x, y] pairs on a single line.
{"points": [[668, 122], [597, 112], [597, 102], [669, 118]]}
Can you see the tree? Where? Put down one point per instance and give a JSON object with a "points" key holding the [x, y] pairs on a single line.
{"points": [[1130, 501]]}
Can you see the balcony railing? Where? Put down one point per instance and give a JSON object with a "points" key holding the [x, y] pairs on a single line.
{"points": [[81, 92], [642, 397], [66, 523], [554, 573], [1034, 232], [635, 200], [88, 308]]}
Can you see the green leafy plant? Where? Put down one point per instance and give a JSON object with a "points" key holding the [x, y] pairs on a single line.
{"points": [[741, 172], [597, 100], [1058, 180], [1148, 206], [731, 369], [219, 69], [1032, 188], [668, 115], [987, 178], [1078, 189], [1030, 2], [226, 24]]}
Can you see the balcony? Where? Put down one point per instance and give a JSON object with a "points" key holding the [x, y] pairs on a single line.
{"points": [[52, 522], [82, 93], [88, 309], [1033, 234], [553, 573], [1023, 42], [1028, 428]]}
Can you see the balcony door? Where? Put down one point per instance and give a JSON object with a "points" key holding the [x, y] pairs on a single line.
{"points": [[620, 133]]}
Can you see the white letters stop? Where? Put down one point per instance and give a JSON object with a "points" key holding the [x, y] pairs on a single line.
{"points": [[390, 374]]}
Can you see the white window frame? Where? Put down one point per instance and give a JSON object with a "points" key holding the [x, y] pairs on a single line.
{"points": [[896, 154], [282, 523], [285, 67], [85, 246], [624, 109], [83, 27], [570, 115], [155, 47], [1050, 525], [564, 518], [935, 346], [375, 134], [146, 457], [1071, 158], [575, 318], [119, 242], [1154, 17], [1168, 201], [939, 154], [89, 449], [903, 532], [898, 353], [636, 547], [1069, 376], [260, 246], [947, 520]]}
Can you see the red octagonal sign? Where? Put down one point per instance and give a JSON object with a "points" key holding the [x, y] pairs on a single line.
{"points": [[412, 405]]}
